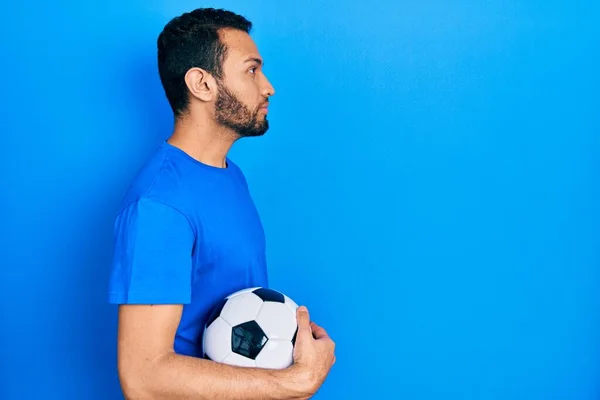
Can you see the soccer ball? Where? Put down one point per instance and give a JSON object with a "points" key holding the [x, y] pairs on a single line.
{"points": [[254, 327]]}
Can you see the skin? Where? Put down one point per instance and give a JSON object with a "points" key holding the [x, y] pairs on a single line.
{"points": [[219, 114]]}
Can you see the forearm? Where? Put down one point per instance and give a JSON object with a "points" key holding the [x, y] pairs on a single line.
{"points": [[174, 376]]}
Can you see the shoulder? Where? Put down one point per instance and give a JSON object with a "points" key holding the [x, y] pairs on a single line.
{"points": [[160, 180]]}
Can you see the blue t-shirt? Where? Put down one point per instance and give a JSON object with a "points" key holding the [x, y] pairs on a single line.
{"points": [[186, 233]]}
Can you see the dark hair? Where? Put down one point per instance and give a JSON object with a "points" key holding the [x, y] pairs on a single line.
{"points": [[192, 40]]}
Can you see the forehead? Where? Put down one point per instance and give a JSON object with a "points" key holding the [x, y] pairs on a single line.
{"points": [[239, 45]]}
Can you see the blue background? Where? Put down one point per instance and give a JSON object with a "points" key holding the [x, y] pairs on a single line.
{"points": [[429, 188]]}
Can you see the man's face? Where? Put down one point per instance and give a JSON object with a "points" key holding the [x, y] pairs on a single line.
{"points": [[244, 91]]}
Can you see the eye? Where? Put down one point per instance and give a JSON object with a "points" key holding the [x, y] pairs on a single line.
{"points": [[253, 70]]}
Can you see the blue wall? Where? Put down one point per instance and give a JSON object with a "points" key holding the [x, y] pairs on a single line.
{"points": [[429, 188]]}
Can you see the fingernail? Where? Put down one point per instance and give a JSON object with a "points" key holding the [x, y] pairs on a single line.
{"points": [[302, 309]]}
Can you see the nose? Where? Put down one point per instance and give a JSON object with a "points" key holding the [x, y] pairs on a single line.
{"points": [[268, 89]]}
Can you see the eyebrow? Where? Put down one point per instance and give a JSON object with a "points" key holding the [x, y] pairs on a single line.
{"points": [[254, 59]]}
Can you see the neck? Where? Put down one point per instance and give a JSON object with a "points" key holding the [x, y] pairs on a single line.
{"points": [[203, 140]]}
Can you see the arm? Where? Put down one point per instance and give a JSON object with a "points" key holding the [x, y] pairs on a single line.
{"points": [[152, 264], [150, 369]]}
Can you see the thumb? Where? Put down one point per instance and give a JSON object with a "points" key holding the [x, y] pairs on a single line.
{"points": [[303, 319]]}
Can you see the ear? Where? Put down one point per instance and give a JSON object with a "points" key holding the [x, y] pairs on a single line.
{"points": [[201, 84]]}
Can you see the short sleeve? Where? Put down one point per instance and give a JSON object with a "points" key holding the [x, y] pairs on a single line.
{"points": [[152, 260]]}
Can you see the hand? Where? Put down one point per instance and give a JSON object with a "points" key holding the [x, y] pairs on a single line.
{"points": [[313, 353]]}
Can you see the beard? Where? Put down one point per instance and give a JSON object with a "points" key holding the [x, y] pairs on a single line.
{"points": [[232, 113]]}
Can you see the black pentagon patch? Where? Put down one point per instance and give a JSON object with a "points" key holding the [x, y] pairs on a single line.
{"points": [[248, 339], [269, 295], [216, 311]]}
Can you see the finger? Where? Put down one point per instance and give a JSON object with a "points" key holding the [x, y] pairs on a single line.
{"points": [[318, 332], [303, 319]]}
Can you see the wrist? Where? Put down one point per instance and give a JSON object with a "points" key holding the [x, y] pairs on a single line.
{"points": [[298, 381]]}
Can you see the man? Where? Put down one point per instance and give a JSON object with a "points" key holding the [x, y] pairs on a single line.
{"points": [[188, 233]]}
